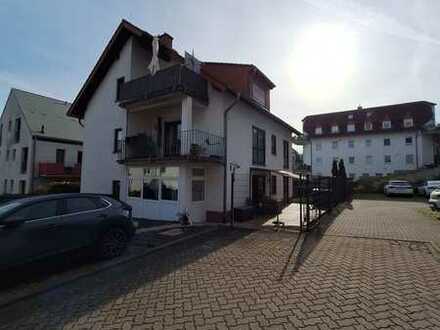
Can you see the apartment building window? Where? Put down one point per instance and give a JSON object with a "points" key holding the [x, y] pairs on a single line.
{"points": [[273, 146], [273, 185], [117, 140], [334, 144], [408, 140], [386, 142], [258, 146], [368, 126], [17, 130], [79, 157], [198, 184], [351, 128], [318, 130], [351, 160], [386, 124], [369, 160], [119, 83], [350, 116], [116, 189], [368, 143], [14, 154], [10, 126], [408, 122], [286, 154], [22, 187], [335, 129], [24, 160], [60, 156], [7, 155], [387, 159], [409, 159], [351, 144]]}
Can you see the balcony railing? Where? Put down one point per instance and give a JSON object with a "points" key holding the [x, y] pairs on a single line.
{"points": [[174, 79], [58, 169], [190, 144]]}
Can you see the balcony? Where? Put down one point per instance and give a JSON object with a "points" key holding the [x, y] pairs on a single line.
{"points": [[190, 145], [58, 170], [175, 79]]}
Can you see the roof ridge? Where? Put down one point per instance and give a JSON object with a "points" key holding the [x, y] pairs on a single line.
{"points": [[40, 95]]}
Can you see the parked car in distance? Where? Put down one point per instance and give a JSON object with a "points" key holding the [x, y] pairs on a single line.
{"points": [[398, 187], [434, 200], [37, 227], [429, 187]]}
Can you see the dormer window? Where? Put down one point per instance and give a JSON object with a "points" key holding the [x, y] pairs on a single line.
{"points": [[408, 122], [318, 130], [368, 126], [259, 94], [350, 128], [386, 124], [335, 129]]}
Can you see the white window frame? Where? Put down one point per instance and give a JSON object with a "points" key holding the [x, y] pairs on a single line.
{"points": [[351, 128], [386, 124], [351, 158], [408, 122], [385, 159], [335, 129], [318, 130], [412, 159], [318, 146], [368, 126], [408, 143]]}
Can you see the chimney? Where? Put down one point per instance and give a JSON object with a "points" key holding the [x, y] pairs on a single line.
{"points": [[359, 107], [166, 40]]}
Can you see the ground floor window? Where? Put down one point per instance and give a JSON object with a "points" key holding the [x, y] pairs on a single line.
{"points": [[153, 183], [273, 183], [22, 187], [198, 184], [116, 189]]}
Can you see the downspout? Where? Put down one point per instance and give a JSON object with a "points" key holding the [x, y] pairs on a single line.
{"points": [[225, 165], [34, 152], [417, 150]]}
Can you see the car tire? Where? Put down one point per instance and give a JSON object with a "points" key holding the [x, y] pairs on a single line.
{"points": [[112, 243]]}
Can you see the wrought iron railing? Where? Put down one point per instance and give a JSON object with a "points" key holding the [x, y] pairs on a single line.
{"points": [[177, 78], [192, 143]]}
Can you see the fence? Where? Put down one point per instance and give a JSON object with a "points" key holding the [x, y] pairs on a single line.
{"points": [[318, 195]]}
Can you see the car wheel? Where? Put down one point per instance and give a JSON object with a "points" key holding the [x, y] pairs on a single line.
{"points": [[112, 243]]}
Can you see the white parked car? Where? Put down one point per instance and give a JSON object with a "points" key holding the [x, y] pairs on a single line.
{"points": [[398, 187], [429, 187], [434, 200]]}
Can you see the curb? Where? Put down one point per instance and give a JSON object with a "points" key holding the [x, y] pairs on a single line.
{"points": [[32, 292]]}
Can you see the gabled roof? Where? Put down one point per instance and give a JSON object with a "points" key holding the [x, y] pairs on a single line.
{"points": [[39, 111], [124, 31]]}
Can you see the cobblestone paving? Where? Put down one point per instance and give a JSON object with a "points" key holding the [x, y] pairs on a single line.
{"points": [[239, 279]]}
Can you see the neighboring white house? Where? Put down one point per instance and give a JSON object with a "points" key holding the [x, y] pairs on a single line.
{"points": [[39, 144], [371, 141], [157, 142]]}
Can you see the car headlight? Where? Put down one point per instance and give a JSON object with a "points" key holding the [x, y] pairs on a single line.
{"points": [[127, 213]]}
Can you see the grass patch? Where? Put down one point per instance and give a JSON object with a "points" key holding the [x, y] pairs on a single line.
{"points": [[429, 213]]}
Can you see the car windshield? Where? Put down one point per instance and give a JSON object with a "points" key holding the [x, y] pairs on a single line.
{"points": [[5, 208], [399, 183]]}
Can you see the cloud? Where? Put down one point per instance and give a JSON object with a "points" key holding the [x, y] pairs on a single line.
{"points": [[373, 20]]}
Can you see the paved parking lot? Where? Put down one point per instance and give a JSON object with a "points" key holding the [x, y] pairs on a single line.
{"points": [[254, 279]]}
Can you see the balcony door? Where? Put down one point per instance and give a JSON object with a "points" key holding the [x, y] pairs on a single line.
{"points": [[172, 138]]}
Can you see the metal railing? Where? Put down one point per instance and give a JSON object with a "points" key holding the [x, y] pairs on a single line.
{"points": [[177, 78], [192, 143]]}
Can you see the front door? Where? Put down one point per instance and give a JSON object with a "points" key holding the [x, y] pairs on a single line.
{"points": [[172, 138], [258, 188]]}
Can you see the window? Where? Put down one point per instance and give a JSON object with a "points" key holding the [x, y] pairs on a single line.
{"points": [[7, 155], [386, 124], [351, 160], [1, 134], [386, 142], [351, 144], [116, 189], [273, 185], [258, 146], [351, 128], [79, 157], [169, 190], [273, 147], [81, 204], [135, 182], [350, 116], [318, 160], [119, 83], [408, 140], [335, 129], [408, 122], [10, 126], [14, 154], [153, 183], [335, 145], [387, 159], [286, 154], [379, 174], [117, 140], [368, 126], [36, 211], [198, 184], [369, 160], [318, 146], [368, 143], [60, 156], [22, 187], [318, 130], [17, 130], [24, 160], [259, 94], [409, 159], [150, 188]]}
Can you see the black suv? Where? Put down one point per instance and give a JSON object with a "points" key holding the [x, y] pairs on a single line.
{"points": [[37, 227]]}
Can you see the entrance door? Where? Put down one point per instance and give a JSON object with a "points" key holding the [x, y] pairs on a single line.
{"points": [[285, 189], [172, 138], [258, 187]]}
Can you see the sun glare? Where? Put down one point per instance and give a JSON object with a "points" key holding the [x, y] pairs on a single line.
{"points": [[323, 61]]}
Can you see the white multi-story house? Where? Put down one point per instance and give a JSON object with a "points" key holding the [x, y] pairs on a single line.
{"points": [[372, 141], [39, 144], [160, 143]]}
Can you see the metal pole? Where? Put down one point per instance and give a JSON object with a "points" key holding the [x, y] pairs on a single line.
{"points": [[300, 202], [307, 201], [232, 197]]}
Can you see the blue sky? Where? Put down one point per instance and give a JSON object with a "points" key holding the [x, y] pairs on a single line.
{"points": [[323, 55]]}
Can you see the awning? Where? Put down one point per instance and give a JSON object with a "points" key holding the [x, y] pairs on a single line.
{"points": [[288, 173]]}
